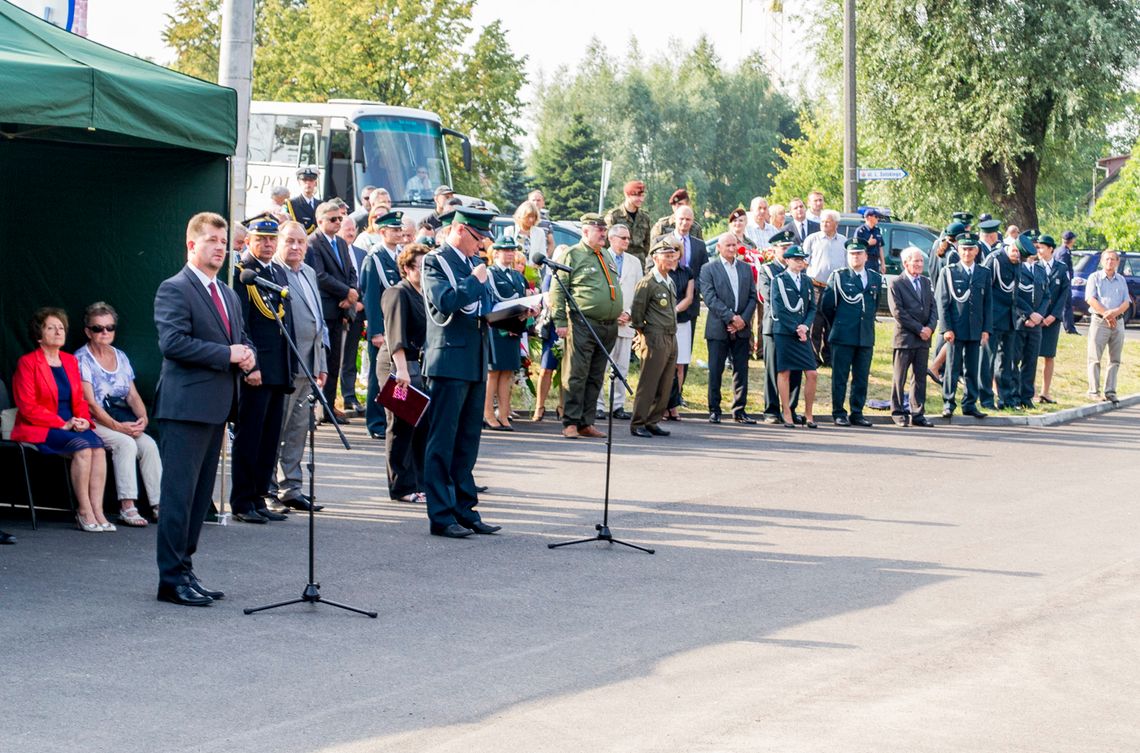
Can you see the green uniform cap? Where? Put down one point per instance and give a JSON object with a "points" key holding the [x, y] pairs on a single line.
{"points": [[664, 245], [964, 217], [1025, 246], [504, 242], [1047, 240], [968, 239], [593, 218], [478, 220], [989, 226], [853, 245], [391, 219], [954, 229], [795, 252], [784, 237]]}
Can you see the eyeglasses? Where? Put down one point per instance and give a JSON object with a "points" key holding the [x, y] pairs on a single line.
{"points": [[334, 219], [620, 237], [101, 328]]}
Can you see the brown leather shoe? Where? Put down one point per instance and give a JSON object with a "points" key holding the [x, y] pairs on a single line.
{"points": [[590, 431], [570, 432]]}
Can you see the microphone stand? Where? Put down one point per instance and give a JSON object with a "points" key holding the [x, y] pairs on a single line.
{"points": [[603, 528], [312, 592]]}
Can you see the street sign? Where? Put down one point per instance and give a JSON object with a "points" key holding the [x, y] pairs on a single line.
{"points": [[882, 173]]}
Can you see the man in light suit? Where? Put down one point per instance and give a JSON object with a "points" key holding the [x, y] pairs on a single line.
{"points": [[312, 342], [328, 255], [629, 274], [910, 297], [729, 292], [204, 352]]}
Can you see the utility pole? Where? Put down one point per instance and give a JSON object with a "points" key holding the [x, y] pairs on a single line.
{"points": [[235, 70], [850, 167]]}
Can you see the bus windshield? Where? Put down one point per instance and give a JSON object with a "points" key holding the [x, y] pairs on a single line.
{"points": [[404, 155]]}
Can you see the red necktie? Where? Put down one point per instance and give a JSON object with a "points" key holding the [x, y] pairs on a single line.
{"points": [[221, 309]]}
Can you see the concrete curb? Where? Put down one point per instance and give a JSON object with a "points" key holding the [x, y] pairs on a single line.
{"points": [[1049, 419]]}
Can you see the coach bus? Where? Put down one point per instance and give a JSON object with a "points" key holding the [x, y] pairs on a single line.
{"points": [[354, 144]]}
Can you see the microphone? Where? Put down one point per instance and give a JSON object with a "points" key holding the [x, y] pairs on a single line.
{"points": [[249, 277], [538, 259]]}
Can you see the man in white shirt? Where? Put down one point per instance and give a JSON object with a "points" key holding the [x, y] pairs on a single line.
{"points": [[815, 206], [826, 252], [758, 229], [1106, 293]]}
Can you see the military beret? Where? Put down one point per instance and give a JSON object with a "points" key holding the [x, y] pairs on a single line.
{"points": [[783, 237], [505, 243], [1047, 240], [738, 212], [678, 196], [633, 188], [443, 190], [391, 219], [593, 218], [263, 226], [989, 226], [954, 229], [309, 172], [968, 239], [795, 252], [855, 245]]}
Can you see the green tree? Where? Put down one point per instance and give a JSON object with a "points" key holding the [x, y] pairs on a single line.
{"points": [[1117, 212], [976, 91], [193, 31], [811, 162], [570, 170]]}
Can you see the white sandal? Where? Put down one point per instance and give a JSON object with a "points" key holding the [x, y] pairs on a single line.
{"points": [[131, 517]]}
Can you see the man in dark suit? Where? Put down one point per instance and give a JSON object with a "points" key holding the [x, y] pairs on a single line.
{"points": [[455, 362], [378, 273], [910, 297], [354, 329], [850, 302], [202, 338], [729, 292], [328, 256], [965, 316], [303, 206], [999, 353], [261, 405], [799, 223]]}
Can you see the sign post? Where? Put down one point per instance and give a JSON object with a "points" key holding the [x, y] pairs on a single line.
{"points": [[882, 173]]}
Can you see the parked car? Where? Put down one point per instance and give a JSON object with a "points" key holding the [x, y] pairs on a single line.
{"points": [[565, 231], [1087, 261]]}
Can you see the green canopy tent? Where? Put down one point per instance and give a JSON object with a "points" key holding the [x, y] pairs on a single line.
{"points": [[103, 159]]}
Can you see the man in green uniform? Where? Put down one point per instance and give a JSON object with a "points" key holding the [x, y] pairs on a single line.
{"points": [[631, 214], [654, 316], [850, 302], [593, 283]]}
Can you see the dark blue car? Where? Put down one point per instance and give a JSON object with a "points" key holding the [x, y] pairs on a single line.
{"points": [[1087, 262]]}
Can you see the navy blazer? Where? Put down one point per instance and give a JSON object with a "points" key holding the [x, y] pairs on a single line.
{"points": [[1004, 302], [1058, 289], [457, 344], [377, 273], [784, 319], [274, 359], [912, 311], [335, 274], [972, 316], [197, 381], [1031, 284], [851, 323], [716, 290]]}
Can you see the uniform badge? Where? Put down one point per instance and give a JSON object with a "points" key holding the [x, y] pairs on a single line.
{"points": [[662, 302]]}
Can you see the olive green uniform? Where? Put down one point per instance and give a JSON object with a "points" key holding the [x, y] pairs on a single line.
{"points": [[639, 228], [654, 316], [595, 288]]}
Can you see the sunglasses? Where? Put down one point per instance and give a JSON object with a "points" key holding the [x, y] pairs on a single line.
{"points": [[334, 219], [101, 328]]}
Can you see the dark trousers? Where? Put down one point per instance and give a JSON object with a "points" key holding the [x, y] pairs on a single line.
{"points": [[736, 349], [1067, 316], [406, 448], [915, 361], [189, 452], [658, 353], [963, 361], [348, 360], [452, 448], [820, 329], [771, 390], [587, 370], [997, 361], [256, 438], [854, 363], [1026, 350], [336, 336], [374, 414]]}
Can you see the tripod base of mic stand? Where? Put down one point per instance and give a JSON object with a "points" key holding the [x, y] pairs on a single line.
{"points": [[603, 535], [311, 595]]}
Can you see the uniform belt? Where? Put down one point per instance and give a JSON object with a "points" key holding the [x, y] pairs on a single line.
{"points": [[818, 284]]}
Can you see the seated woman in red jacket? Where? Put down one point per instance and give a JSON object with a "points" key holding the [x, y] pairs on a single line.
{"points": [[52, 414]]}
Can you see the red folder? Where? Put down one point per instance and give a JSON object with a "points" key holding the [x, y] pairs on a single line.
{"points": [[408, 403]]}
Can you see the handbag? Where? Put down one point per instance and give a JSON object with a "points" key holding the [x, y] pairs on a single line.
{"points": [[119, 409]]}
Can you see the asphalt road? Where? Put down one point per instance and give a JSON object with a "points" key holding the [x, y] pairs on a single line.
{"points": [[948, 589]]}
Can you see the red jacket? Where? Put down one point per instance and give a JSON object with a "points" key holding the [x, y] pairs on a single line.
{"points": [[37, 399]]}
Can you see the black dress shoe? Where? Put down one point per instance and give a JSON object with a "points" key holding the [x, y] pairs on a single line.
{"points": [[250, 517], [197, 586], [920, 421], [301, 503], [860, 421], [811, 424], [842, 421], [379, 436], [656, 431], [7, 538], [974, 412], [743, 418], [480, 527], [714, 418], [641, 431], [268, 514], [947, 412], [770, 419], [600, 415], [900, 421], [184, 595], [452, 531], [481, 489], [622, 414], [799, 419]]}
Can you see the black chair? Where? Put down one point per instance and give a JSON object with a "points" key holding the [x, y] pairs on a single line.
{"points": [[23, 448]]}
